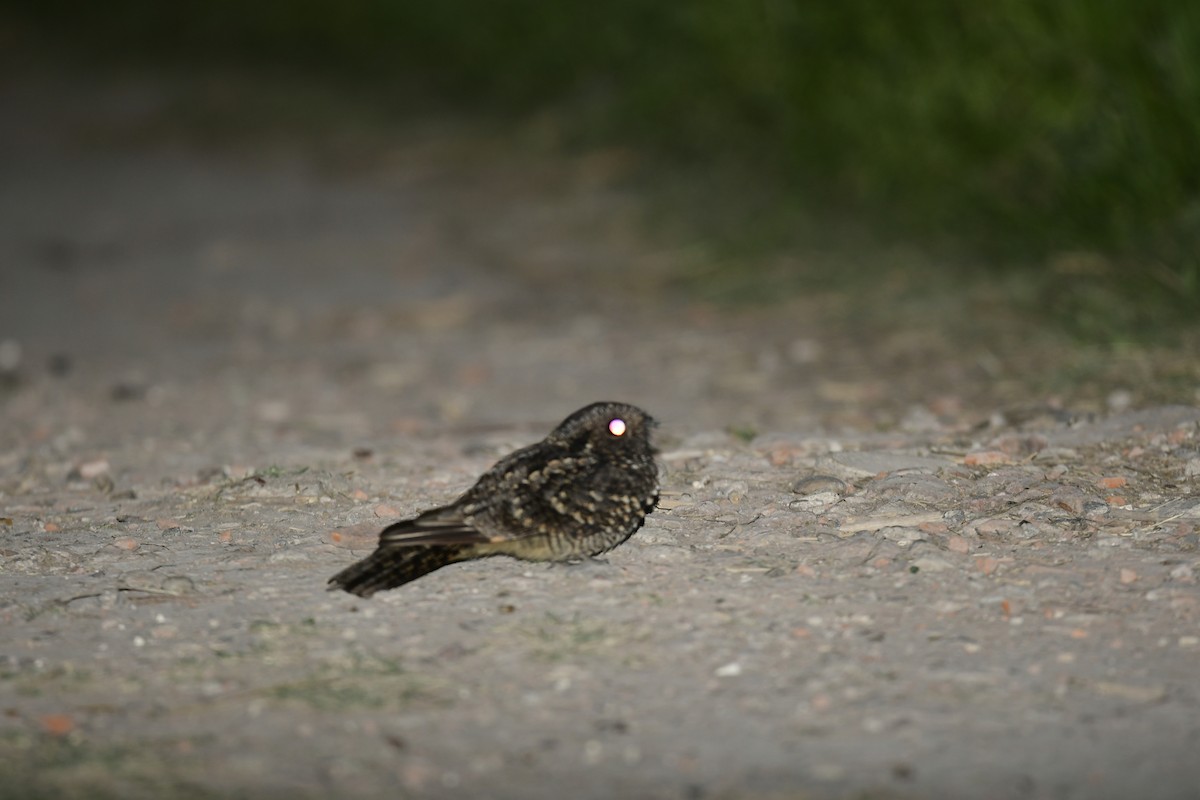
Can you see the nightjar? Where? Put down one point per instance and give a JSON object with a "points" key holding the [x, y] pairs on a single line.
{"points": [[581, 491]]}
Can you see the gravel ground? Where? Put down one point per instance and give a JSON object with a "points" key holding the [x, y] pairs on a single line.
{"points": [[223, 372]]}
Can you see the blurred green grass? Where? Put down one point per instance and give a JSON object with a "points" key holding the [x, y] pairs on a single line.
{"points": [[1025, 133]]}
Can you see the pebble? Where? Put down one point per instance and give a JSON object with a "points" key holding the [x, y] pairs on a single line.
{"points": [[1057, 472], [814, 502], [902, 535], [1068, 499], [987, 564], [90, 470], [57, 724], [1119, 400], [819, 484], [986, 458], [931, 564], [1019, 445], [1183, 573], [994, 526], [178, 584]]}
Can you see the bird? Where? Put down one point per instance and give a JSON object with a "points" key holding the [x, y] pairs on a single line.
{"points": [[581, 491]]}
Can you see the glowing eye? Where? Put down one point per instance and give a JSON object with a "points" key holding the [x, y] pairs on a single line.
{"points": [[616, 427]]}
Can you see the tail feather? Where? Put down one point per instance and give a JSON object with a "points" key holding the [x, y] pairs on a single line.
{"points": [[389, 567]]}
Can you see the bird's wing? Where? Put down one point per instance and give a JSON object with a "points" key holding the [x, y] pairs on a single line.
{"points": [[438, 526]]}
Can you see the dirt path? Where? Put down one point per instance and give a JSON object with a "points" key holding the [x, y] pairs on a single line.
{"points": [[224, 372]]}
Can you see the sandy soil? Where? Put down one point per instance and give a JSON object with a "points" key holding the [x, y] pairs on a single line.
{"points": [[871, 575]]}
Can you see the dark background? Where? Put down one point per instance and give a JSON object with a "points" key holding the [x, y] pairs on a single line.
{"points": [[1011, 134]]}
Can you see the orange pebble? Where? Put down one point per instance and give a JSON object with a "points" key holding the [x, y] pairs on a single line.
{"points": [[57, 724]]}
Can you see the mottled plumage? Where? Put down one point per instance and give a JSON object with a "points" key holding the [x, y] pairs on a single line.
{"points": [[581, 491]]}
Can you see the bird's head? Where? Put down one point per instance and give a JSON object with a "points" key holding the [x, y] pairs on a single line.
{"points": [[606, 427]]}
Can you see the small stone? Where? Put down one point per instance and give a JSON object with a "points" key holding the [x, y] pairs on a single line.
{"points": [[819, 484], [1183, 574], [1180, 435], [902, 535], [958, 544], [384, 511], [57, 724], [1068, 499], [1113, 482], [812, 502], [986, 458], [90, 470], [1128, 576], [1119, 400], [986, 564], [931, 564], [1019, 445], [994, 527], [729, 670], [178, 584], [1057, 472]]}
